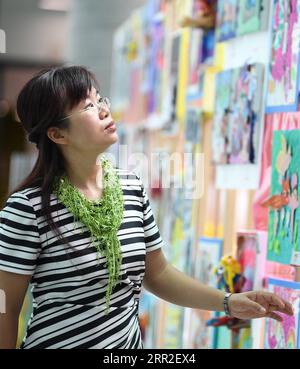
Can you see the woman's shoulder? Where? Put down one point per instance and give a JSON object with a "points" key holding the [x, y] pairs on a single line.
{"points": [[26, 197]]}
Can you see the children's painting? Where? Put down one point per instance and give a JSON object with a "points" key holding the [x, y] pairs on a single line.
{"points": [[171, 126], [156, 66], [172, 337], [246, 115], [246, 256], [285, 334], [249, 16], [284, 214], [195, 57], [221, 118], [283, 85], [238, 115], [193, 129], [208, 51], [226, 19], [198, 335], [208, 255], [253, 16]]}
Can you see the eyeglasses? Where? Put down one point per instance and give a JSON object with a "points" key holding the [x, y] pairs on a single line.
{"points": [[104, 103]]}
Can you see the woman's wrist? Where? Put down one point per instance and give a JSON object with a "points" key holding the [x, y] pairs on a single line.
{"points": [[226, 303]]}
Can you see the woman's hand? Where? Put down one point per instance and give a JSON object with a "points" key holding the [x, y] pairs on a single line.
{"points": [[258, 304]]}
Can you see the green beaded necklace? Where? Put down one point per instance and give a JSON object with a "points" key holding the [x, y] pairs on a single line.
{"points": [[102, 218]]}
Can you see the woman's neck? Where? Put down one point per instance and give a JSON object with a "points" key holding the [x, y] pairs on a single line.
{"points": [[84, 173]]}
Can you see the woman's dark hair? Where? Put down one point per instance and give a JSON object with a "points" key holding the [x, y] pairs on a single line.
{"points": [[41, 104]]}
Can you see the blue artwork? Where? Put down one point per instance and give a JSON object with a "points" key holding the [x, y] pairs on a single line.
{"points": [[227, 14]]}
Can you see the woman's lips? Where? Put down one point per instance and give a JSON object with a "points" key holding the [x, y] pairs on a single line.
{"points": [[111, 127], [109, 124]]}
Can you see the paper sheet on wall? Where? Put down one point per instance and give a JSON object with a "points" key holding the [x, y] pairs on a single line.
{"points": [[284, 215], [284, 68], [285, 334]]}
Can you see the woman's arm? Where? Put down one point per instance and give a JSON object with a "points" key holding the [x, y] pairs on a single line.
{"points": [[13, 288], [163, 280], [168, 283]]}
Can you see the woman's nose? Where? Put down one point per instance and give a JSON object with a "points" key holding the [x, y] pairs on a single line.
{"points": [[104, 113]]}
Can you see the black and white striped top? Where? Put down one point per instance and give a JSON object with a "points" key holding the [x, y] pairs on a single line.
{"points": [[69, 283]]}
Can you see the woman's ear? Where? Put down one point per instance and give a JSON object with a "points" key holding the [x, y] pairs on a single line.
{"points": [[56, 135]]}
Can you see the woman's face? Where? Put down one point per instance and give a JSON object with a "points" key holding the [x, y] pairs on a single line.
{"points": [[91, 126]]}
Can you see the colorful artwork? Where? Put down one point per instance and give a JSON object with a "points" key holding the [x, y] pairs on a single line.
{"points": [[253, 16], [221, 119], [193, 128], [246, 256], [242, 340], [198, 336], [208, 50], [178, 254], [156, 66], [274, 122], [195, 56], [206, 260], [172, 336], [223, 337], [226, 19], [171, 125], [208, 255], [238, 115], [249, 16], [283, 86], [148, 307], [285, 334], [284, 216]]}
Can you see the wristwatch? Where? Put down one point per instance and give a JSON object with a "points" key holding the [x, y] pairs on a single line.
{"points": [[225, 303]]}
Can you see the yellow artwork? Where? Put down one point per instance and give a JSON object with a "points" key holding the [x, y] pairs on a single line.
{"points": [[183, 75]]}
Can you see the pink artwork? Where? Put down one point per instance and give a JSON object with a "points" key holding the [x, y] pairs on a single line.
{"points": [[285, 334], [274, 122], [283, 88], [246, 255]]}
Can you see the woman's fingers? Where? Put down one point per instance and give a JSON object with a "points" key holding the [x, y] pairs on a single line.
{"points": [[274, 316], [273, 302]]}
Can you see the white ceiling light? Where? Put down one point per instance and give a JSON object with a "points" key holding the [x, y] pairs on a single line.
{"points": [[55, 5]]}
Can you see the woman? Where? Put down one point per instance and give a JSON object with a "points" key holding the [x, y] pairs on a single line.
{"points": [[83, 233]]}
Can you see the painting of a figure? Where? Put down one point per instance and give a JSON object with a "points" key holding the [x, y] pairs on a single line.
{"points": [[227, 12], [238, 115], [221, 119], [285, 334], [283, 85], [284, 214], [253, 16], [208, 255]]}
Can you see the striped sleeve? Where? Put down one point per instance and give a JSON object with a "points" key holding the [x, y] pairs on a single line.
{"points": [[153, 238], [19, 236]]}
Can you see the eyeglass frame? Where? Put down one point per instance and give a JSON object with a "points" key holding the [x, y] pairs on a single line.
{"points": [[105, 102]]}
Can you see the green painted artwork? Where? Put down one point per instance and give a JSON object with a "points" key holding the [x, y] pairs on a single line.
{"points": [[284, 215], [249, 16], [253, 16]]}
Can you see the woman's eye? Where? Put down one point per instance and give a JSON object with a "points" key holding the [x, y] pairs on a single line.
{"points": [[91, 105]]}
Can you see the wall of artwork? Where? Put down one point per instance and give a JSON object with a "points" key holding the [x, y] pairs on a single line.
{"points": [[221, 79]]}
